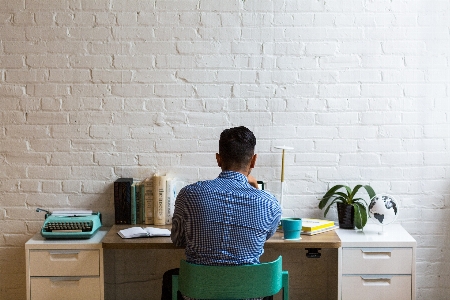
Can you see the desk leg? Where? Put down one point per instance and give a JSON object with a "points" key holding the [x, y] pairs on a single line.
{"points": [[339, 273]]}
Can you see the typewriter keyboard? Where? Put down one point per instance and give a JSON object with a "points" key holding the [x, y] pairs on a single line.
{"points": [[68, 226]]}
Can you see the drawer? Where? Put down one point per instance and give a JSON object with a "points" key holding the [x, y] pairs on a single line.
{"points": [[67, 288], [64, 263], [375, 287], [377, 260]]}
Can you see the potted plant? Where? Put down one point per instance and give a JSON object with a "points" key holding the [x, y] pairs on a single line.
{"points": [[352, 211]]}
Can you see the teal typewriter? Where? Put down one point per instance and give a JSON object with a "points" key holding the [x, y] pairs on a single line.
{"points": [[70, 224]]}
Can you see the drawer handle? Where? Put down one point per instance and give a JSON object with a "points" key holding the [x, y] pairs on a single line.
{"points": [[59, 279], [379, 280], [62, 282], [64, 255], [62, 252], [377, 253]]}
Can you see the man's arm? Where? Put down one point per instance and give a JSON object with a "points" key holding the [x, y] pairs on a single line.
{"points": [[177, 234], [276, 220]]}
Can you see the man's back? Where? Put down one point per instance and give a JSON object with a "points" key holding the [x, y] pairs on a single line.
{"points": [[224, 221]]}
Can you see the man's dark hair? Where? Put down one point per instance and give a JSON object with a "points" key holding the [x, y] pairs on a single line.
{"points": [[236, 147]]}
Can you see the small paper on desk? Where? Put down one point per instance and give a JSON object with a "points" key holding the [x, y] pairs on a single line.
{"points": [[137, 232], [71, 213]]}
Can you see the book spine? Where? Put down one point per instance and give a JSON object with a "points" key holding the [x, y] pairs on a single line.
{"points": [[159, 197], [173, 187], [117, 216], [142, 202], [148, 194], [133, 204], [137, 194], [169, 188], [122, 200]]}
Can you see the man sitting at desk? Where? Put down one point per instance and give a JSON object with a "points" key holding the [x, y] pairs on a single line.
{"points": [[226, 221]]}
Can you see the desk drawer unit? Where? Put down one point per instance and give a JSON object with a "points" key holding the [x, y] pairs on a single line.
{"points": [[67, 288], [64, 269], [64, 262], [377, 266], [375, 287], [376, 273], [73, 273], [376, 260]]}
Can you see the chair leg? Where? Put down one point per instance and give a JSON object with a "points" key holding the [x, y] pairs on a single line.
{"points": [[174, 287], [285, 281]]}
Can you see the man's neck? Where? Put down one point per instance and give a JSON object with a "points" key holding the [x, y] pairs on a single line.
{"points": [[243, 172]]}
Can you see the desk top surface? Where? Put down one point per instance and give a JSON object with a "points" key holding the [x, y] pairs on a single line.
{"points": [[113, 241], [39, 242], [373, 235]]}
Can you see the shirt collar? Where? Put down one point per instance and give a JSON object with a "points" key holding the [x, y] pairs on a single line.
{"points": [[233, 175]]}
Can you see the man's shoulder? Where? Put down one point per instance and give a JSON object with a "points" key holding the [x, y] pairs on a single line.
{"points": [[197, 186], [264, 194], [266, 198]]}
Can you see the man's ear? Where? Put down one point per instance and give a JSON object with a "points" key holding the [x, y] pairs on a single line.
{"points": [[253, 161], [219, 160]]}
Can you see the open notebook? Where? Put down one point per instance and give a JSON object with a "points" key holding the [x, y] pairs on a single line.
{"points": [[138, 232]]}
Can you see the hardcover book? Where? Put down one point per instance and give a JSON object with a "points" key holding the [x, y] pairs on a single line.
{"points": [[137, 193], [160, 199], [122, 200], [319, 230], [133, 204], [309, 225], [142, 202], [173, 188], [148, 201]]}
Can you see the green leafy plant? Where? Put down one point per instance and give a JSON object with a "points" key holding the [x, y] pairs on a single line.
{"points": [[348, 196]]}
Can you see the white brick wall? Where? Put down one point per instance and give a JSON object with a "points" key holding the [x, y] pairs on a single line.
{"points": [[94, 90]]}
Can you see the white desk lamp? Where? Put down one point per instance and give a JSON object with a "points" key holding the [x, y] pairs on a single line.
{"points": [[282, 171]]}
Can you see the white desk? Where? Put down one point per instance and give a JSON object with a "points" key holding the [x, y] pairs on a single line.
{"points": [[377, 266], [370, 266]]}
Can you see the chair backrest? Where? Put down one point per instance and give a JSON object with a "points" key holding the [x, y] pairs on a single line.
{"points": [[231, 282]]}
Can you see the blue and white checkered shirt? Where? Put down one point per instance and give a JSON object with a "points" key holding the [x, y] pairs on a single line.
{"points": [[224, 221]]}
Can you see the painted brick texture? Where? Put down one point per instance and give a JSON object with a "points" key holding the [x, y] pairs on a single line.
{"points": [[95, 90]]}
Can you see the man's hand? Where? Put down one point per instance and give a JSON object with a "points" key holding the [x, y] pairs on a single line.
{"points": [[253, 182]]}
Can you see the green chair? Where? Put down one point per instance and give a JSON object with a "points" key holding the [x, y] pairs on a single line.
{"points": [[231, 282]]}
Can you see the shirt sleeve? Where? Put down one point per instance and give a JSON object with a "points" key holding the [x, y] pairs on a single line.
{"points": [[276, 221], [177, 234]]}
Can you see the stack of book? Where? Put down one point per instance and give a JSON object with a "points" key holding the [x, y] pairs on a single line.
{"points": [[150, 201], [316, 226]]}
